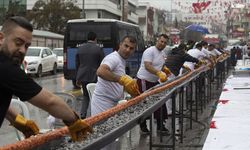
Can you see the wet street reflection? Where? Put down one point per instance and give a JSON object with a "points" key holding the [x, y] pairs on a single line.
{"points": [[55, 83]]}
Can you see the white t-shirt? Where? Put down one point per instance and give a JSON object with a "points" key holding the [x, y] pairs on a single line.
{"points": [[215, 52], [152, 54], [244, 50], [107, 90], [205, 51], [196, 54]]}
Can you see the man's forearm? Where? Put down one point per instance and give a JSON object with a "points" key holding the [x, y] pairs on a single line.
{"points": [[105, 73], [11, 115], [53, 105], [150, 68], [55, 110]]}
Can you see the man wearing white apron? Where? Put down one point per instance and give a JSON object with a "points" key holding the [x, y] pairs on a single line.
{"points": [[112, 80], [152, 70]]}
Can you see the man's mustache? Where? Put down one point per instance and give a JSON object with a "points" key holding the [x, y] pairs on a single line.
{"points": [[18, 57]]}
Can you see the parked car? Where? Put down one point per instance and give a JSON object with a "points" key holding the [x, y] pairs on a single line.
{"points": [[59, 54], [40, 60]]}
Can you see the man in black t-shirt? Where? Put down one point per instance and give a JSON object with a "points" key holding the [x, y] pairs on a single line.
{"points": [[15, 38], [176, 59]]}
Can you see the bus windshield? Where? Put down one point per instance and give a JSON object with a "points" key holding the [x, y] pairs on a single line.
{"points": [[79, 32]]}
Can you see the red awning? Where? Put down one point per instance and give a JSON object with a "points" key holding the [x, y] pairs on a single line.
{"points": [[211, 40]]}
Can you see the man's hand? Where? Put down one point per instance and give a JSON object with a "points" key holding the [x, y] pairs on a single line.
{"points": [[225, 54], [200, 63], [27, 127], [78, 83], [162, 76], [213, 58], [186, 68], [78, 130], [130, 85]]}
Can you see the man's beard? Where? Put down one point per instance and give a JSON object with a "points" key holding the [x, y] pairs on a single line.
{"points": [[17, 57]]}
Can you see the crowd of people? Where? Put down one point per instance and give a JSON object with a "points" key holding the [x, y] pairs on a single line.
{"points": [[108, 72], [156, 67], [239, 52]]}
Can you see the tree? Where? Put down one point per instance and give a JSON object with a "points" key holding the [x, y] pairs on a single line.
{"points": [[14, 8], [53, 15]]}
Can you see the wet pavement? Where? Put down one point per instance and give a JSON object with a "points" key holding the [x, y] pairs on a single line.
{"points": [[133, 140]]}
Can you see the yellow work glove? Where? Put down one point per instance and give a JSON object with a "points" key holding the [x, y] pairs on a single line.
{"points": [[130, 85], [27, 127], [78, 130], [162, 76], [211, 64], [200, 63], [214, 59], [203, 62], [166, 71]]}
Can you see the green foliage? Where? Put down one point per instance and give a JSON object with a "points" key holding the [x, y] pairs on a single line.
{"points": [[52, 16], [13, 8]]}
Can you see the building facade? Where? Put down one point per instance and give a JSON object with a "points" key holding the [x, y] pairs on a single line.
{"points": [[46, 39], [238, 23], [113, 9], [152, 21]]}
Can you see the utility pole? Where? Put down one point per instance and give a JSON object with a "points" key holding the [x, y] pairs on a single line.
{"points": [[124, 10], [171, 12], [83, 9]]}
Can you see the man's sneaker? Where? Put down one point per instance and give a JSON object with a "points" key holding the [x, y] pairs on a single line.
{"points": [[144, 130], [163, 130]]}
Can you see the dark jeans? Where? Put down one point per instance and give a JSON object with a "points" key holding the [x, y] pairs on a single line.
{"points": [[143, 86]]}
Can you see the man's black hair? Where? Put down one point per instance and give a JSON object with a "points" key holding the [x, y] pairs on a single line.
{"points": [[182, 46], [92, 36], [190, 42], [131, 39], [163, 35], [204, 43], [199, 45], [11, 22], [211, 45]]}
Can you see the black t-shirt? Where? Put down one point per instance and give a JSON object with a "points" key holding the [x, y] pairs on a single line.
{"points": [[176, 59], [14, 81]]}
